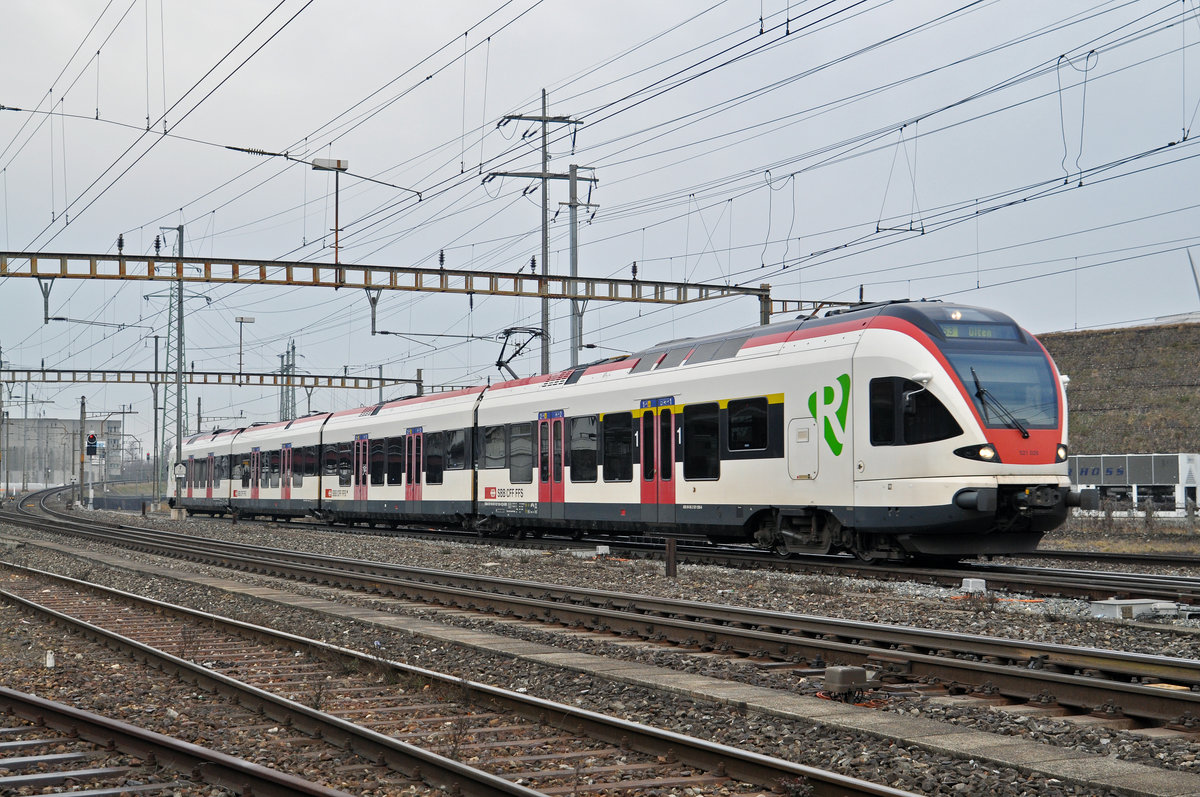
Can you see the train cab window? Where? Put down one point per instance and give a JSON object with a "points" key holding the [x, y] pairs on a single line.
{"points": [[520, 453], [456, 449], [274, 468], [494, 447], [395, 460], [377, 460], [618, 447], [435, 457], [904, 414], [582, 442], [748, 424], [701, 439]]}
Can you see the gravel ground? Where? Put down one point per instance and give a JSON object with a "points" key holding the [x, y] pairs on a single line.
{"points": [[855, 754]]}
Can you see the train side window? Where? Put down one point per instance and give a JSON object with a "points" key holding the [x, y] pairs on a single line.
{"points": [[312, 466], [520, 453], [395, 460], [435, 457], [701, 438], [456, 449], [274, 468], [748, 424], [343, 462], [242, 470], [298, 466], [883, 412], [329, 462], [264, 468], [582, 437], [377, 460], [494, 448], [618, 447]]}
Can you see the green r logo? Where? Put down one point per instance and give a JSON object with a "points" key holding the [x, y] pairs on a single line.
{"points": [[835, 402]]}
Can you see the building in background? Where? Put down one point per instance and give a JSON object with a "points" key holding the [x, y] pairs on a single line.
{"points": [[40, 451]]}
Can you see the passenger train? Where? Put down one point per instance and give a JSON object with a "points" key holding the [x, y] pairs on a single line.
{"points": [[895, 431]]}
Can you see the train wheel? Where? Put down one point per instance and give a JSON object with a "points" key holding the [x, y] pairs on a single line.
{"points": [[781, 550], [867, 557]]}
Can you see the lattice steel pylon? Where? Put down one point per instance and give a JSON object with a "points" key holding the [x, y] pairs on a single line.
{"points": [[174, 406], [287, 392]]}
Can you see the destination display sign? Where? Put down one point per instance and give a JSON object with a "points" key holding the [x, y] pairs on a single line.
{"points": [[959, 330]]}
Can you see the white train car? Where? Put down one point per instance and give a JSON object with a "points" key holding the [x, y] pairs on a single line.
{"points": [[894, 431]]}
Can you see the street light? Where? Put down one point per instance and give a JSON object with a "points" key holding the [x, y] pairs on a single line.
{"points": [[241, 320], [326, 165]]}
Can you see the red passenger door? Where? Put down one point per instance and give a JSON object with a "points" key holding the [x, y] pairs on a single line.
{"points": [[657, 441], [412, 469], [550, 465], [285, 472], [191, 474], [360, 467], [209, 476], [255, 472]]}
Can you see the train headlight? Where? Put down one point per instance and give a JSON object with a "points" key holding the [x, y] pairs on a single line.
{"points": [[983, 453], [1060, 453]]}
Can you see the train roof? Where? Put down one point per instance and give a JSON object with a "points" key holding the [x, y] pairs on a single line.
{"points": [[922, 313]]}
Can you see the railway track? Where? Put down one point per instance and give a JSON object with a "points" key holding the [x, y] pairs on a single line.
{"points": [[45, 745], [1037, 581], [451, 733], [1151, 690]]}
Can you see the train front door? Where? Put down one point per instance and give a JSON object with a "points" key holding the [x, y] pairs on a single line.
{"points": [[657, 441], [550, 465], [412, 470], [285, 472], [255, 472], [361, 444]]}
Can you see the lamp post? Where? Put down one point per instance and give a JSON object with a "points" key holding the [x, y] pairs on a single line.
{"points": [[242, 320]]}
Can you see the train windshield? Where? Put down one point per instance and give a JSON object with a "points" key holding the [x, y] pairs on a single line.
{"points": [[1009, 386]]}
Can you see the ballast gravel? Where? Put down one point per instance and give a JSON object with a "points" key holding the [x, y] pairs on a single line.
{"points": [[859, 755]]}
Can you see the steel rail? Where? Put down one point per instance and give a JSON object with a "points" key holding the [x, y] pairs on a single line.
{"points": [[1111, 682], [212, 767], [443, 772]]}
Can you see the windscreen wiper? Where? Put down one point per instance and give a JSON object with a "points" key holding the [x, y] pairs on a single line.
{"points": [[984, 396]]}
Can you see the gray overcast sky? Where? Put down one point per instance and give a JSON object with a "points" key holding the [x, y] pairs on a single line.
{"points": [[1011, 154]]}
